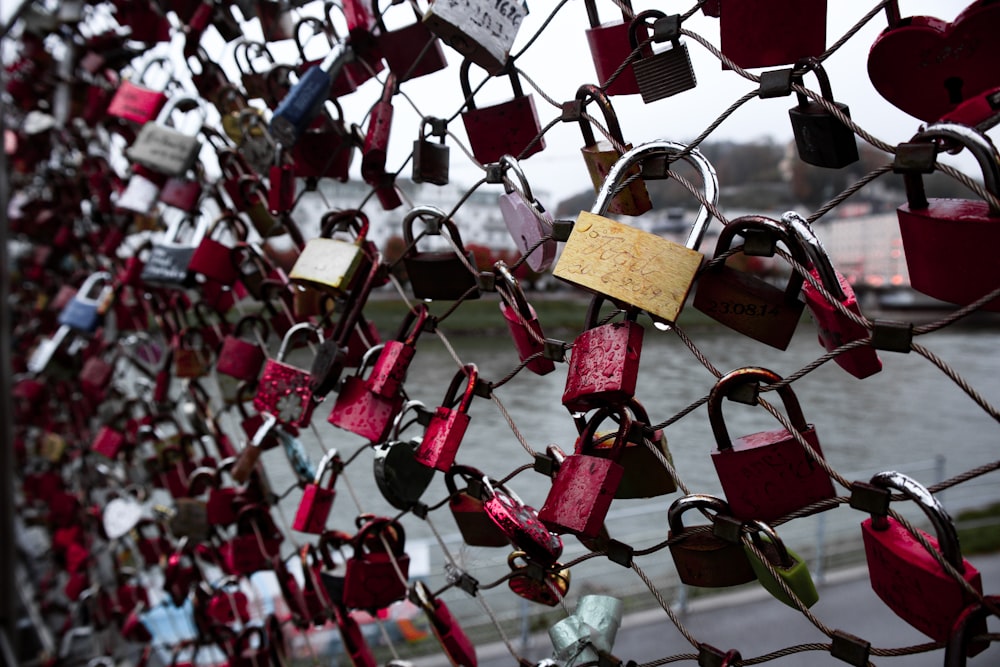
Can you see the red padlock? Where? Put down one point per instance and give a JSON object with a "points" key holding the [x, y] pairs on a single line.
{"points": [[241, 358], [376, 575], [478, 529], [318, 605], [373, 154], [354, 640], [926, 66], [933, 229], [610, 47], [411, 51], [228, 603], [522, 322], [257, 540], [604, 364], [211, 258], [507, 128], [905, 575], [389, 371], [834, 328], [136, 102], [702, 558], [448, 425], [521, 525], [449, 633], [762, 33], [317, 500], [766, 475], [362, 411], [585, 485], [224, 502], [283, 390]]}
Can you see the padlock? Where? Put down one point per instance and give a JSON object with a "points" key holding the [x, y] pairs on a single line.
{"points": [[169, 258], [645, 475], [228, 603], [762, 33], [520, 523], [833, 327], [211, 257], [411, 51], [456, 644], [317, 500], [589, 632], [136, 101], [362, 411], [629, 265], [367, 57], [146, 20], [373, 153], [537, 583], [522, 322], [254, 82], [527, 220], [281, 184], [604, 364], [209, 78], [821, 139], [507, 128], [376, 574], [182, 192], [448, 424], [192, 357], [933, 229], [905, 575], [354, 640], [283, 390], [164, 148], [480, 31], [441, 274], [913, 62], [665, 73], [968, 626], [701, 558], [747, 303], [256, 542], [478, 529], [304, 101], [585, 485], [326, 149], [317, 602], [329, 264], [181, 573], [600, 156], [83, 312], [189, 520], [398, 475], [430, 160], [343, 84], [789, 565], [609, 48], [389, 371], [241, 358], [224, 502], [766, 475]]}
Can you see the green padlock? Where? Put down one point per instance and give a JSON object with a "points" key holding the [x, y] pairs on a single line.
{"points": [[790, 567]]}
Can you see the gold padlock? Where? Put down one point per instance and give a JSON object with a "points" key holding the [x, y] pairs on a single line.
{"points": [[631, 266], [327, 264]]}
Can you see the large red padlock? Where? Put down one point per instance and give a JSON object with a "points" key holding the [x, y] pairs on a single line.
{"points": [[834, 328], [946, 241], [926, 66], [449, 633], [702, 558], [521, 525], [389, 371], [283, 390], [585, 485], [137, 102], [362, 411], [373, 153], [604, 364], [317, 500], [448, 424], [610, 47], [466, 505], [905, 575], [762, 33], [522, 322], [507, 128], [241, 358], [766, 475], [256, 542], [376, 575], [211, 258]]}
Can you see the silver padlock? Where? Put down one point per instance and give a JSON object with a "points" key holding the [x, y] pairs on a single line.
{"points": [[162, 147]]}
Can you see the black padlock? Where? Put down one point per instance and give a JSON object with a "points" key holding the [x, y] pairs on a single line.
{"points": [[430, 160], [822, 140], [666, 72]]}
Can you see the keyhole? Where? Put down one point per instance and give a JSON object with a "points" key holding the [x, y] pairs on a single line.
{"points": [[954, 86]]}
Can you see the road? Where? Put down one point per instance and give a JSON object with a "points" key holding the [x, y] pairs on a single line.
{"points": [[756, 624]]}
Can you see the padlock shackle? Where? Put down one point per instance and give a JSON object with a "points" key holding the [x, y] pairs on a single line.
{"points": [[594, 311], [83, 292], [314, 22], [425, 599], [509, 162], [442, 219], [382, 525], [463, 75], [944, 526], [811, 64], [294, 332], [243, 47], [778, 231], [330, 461], [594, 18], [231, 221], [693, 501], [589, 91], [511, 292], [334, 221], [380, 22], [978, 143], [397, 423], [747, 375], [466, 472], [252, 320], [470, 373], [784, 559], [586, 438], [412, 325], [818, 255], [966, 627], [434, 122], [620, 170], [641, 20]]}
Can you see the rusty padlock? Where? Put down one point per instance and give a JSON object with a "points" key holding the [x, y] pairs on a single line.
{"points": [[448, 424], [585, 485], [766, 475], [376, 575], [545, 585], [905, 576], [701, 558], [317, 500], [507, 128], [604, 364], [522, 322], [745, 302]]}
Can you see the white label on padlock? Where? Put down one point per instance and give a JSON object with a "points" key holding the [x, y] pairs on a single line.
{"points": [[140, 195], [481, 30], [120, 516]]}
